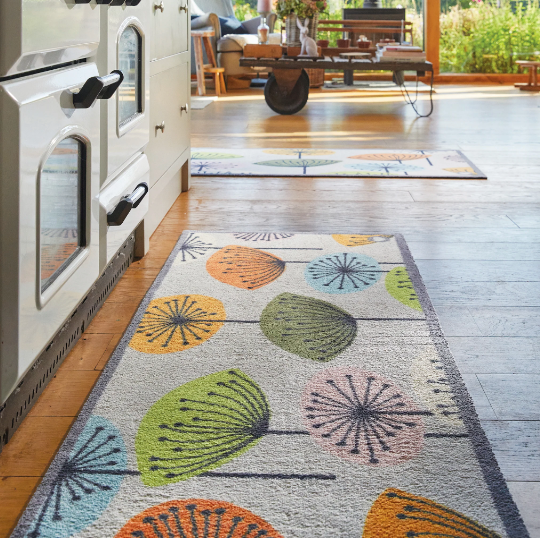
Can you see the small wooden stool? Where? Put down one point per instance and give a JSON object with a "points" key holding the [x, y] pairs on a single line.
{"points": [[219, 78], [532, 85], [202, 38]]}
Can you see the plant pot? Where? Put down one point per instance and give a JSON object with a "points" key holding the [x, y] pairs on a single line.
{"points": [[323, 43], [363, 44], [293, 33], [343, 43]]}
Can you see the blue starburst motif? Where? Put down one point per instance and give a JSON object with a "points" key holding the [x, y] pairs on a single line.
{"points": [[342, 273], [87, 482]]}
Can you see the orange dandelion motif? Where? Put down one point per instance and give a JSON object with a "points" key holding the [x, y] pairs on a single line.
{"points": [[197, 518], [360, 240], [461, 170], [390, 156], [244, 267], [397, 514], [178, 323]]}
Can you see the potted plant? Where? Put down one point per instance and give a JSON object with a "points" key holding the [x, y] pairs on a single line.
{"points": [[291, 10]]}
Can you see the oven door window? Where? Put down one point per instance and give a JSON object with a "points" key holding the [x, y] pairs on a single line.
{"points": [[62, 208], [129, 62]]}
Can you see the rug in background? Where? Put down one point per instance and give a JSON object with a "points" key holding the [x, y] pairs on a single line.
{"points": [[198, 103], [384, 86], [278, 385], [314, 162]]}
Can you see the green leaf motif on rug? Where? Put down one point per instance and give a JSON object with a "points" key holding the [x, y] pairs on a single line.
{"points": [[200, 426], [298, 163], [308, 327], [400, 287], [211, 155]]}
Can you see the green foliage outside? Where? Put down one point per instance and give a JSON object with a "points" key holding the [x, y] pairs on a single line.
{"points": [[476, 36], [484, 38]]}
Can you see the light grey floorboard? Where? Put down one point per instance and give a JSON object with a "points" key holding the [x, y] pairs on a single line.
{"points": [[481, 403], [516, 445], [506, 321], [480, 236], [484, 293], [496, 355], [471, 251], [512, 396], [527, 497], [457, 321], [447, 271]]}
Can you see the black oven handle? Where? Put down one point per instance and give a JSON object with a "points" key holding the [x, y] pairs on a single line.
{"points": [[119, 214], [98, 88]]}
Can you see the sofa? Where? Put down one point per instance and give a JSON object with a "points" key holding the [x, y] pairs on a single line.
{"points": [[228, 50]]}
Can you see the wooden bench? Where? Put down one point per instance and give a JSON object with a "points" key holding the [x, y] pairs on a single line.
{"points": [[532, 85]]}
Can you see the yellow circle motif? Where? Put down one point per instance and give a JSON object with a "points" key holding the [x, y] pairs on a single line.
{"points": [[178, 323]]}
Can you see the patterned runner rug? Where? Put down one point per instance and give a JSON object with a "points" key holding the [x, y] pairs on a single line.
{"points": [[313, 162], [278, 385]]}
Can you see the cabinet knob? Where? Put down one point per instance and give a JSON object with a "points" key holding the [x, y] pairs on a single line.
{"points": [[184, 108], [160, 127], [184, 8], [159, 6]]}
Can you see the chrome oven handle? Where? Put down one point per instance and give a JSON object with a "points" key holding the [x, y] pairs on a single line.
{"points": [[119, 214], [159, 6]]}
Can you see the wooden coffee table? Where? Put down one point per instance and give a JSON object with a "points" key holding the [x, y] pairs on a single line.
{"points": [[287, 89]]}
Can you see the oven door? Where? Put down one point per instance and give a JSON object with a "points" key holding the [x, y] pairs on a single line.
{"points": [[123, 205], [124, 46], [40, 33], [49, 227]]}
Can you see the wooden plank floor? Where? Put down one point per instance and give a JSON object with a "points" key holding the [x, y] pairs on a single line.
{"points": [[477, 244]]}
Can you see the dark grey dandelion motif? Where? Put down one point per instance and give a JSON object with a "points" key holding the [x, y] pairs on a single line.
{"points": [[177, 323], [197, 518], [192, 248], [260, 236], [342, 273], [362, 417], [433, 385], [202, 425], [86, 483], [455, 157]]}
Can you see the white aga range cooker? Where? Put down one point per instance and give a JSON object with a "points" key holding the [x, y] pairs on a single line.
{"points": [[74, 178]]}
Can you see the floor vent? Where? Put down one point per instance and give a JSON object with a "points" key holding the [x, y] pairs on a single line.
{"points": [[43, 370]]}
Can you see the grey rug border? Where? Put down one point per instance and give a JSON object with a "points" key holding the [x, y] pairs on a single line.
{"points": [[505, 504], [479, 173], [506, 507]]}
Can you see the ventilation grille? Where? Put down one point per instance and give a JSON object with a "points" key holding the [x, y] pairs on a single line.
{"points": [[43, 370]]}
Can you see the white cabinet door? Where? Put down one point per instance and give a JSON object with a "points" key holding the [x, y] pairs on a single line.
{"points": [[169, 119], [171, 27]]}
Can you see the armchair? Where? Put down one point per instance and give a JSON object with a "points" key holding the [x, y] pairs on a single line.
{"points": [[228, 51]]}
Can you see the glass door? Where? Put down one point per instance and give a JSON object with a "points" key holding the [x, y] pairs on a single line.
{"points": [[62, 209]]}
